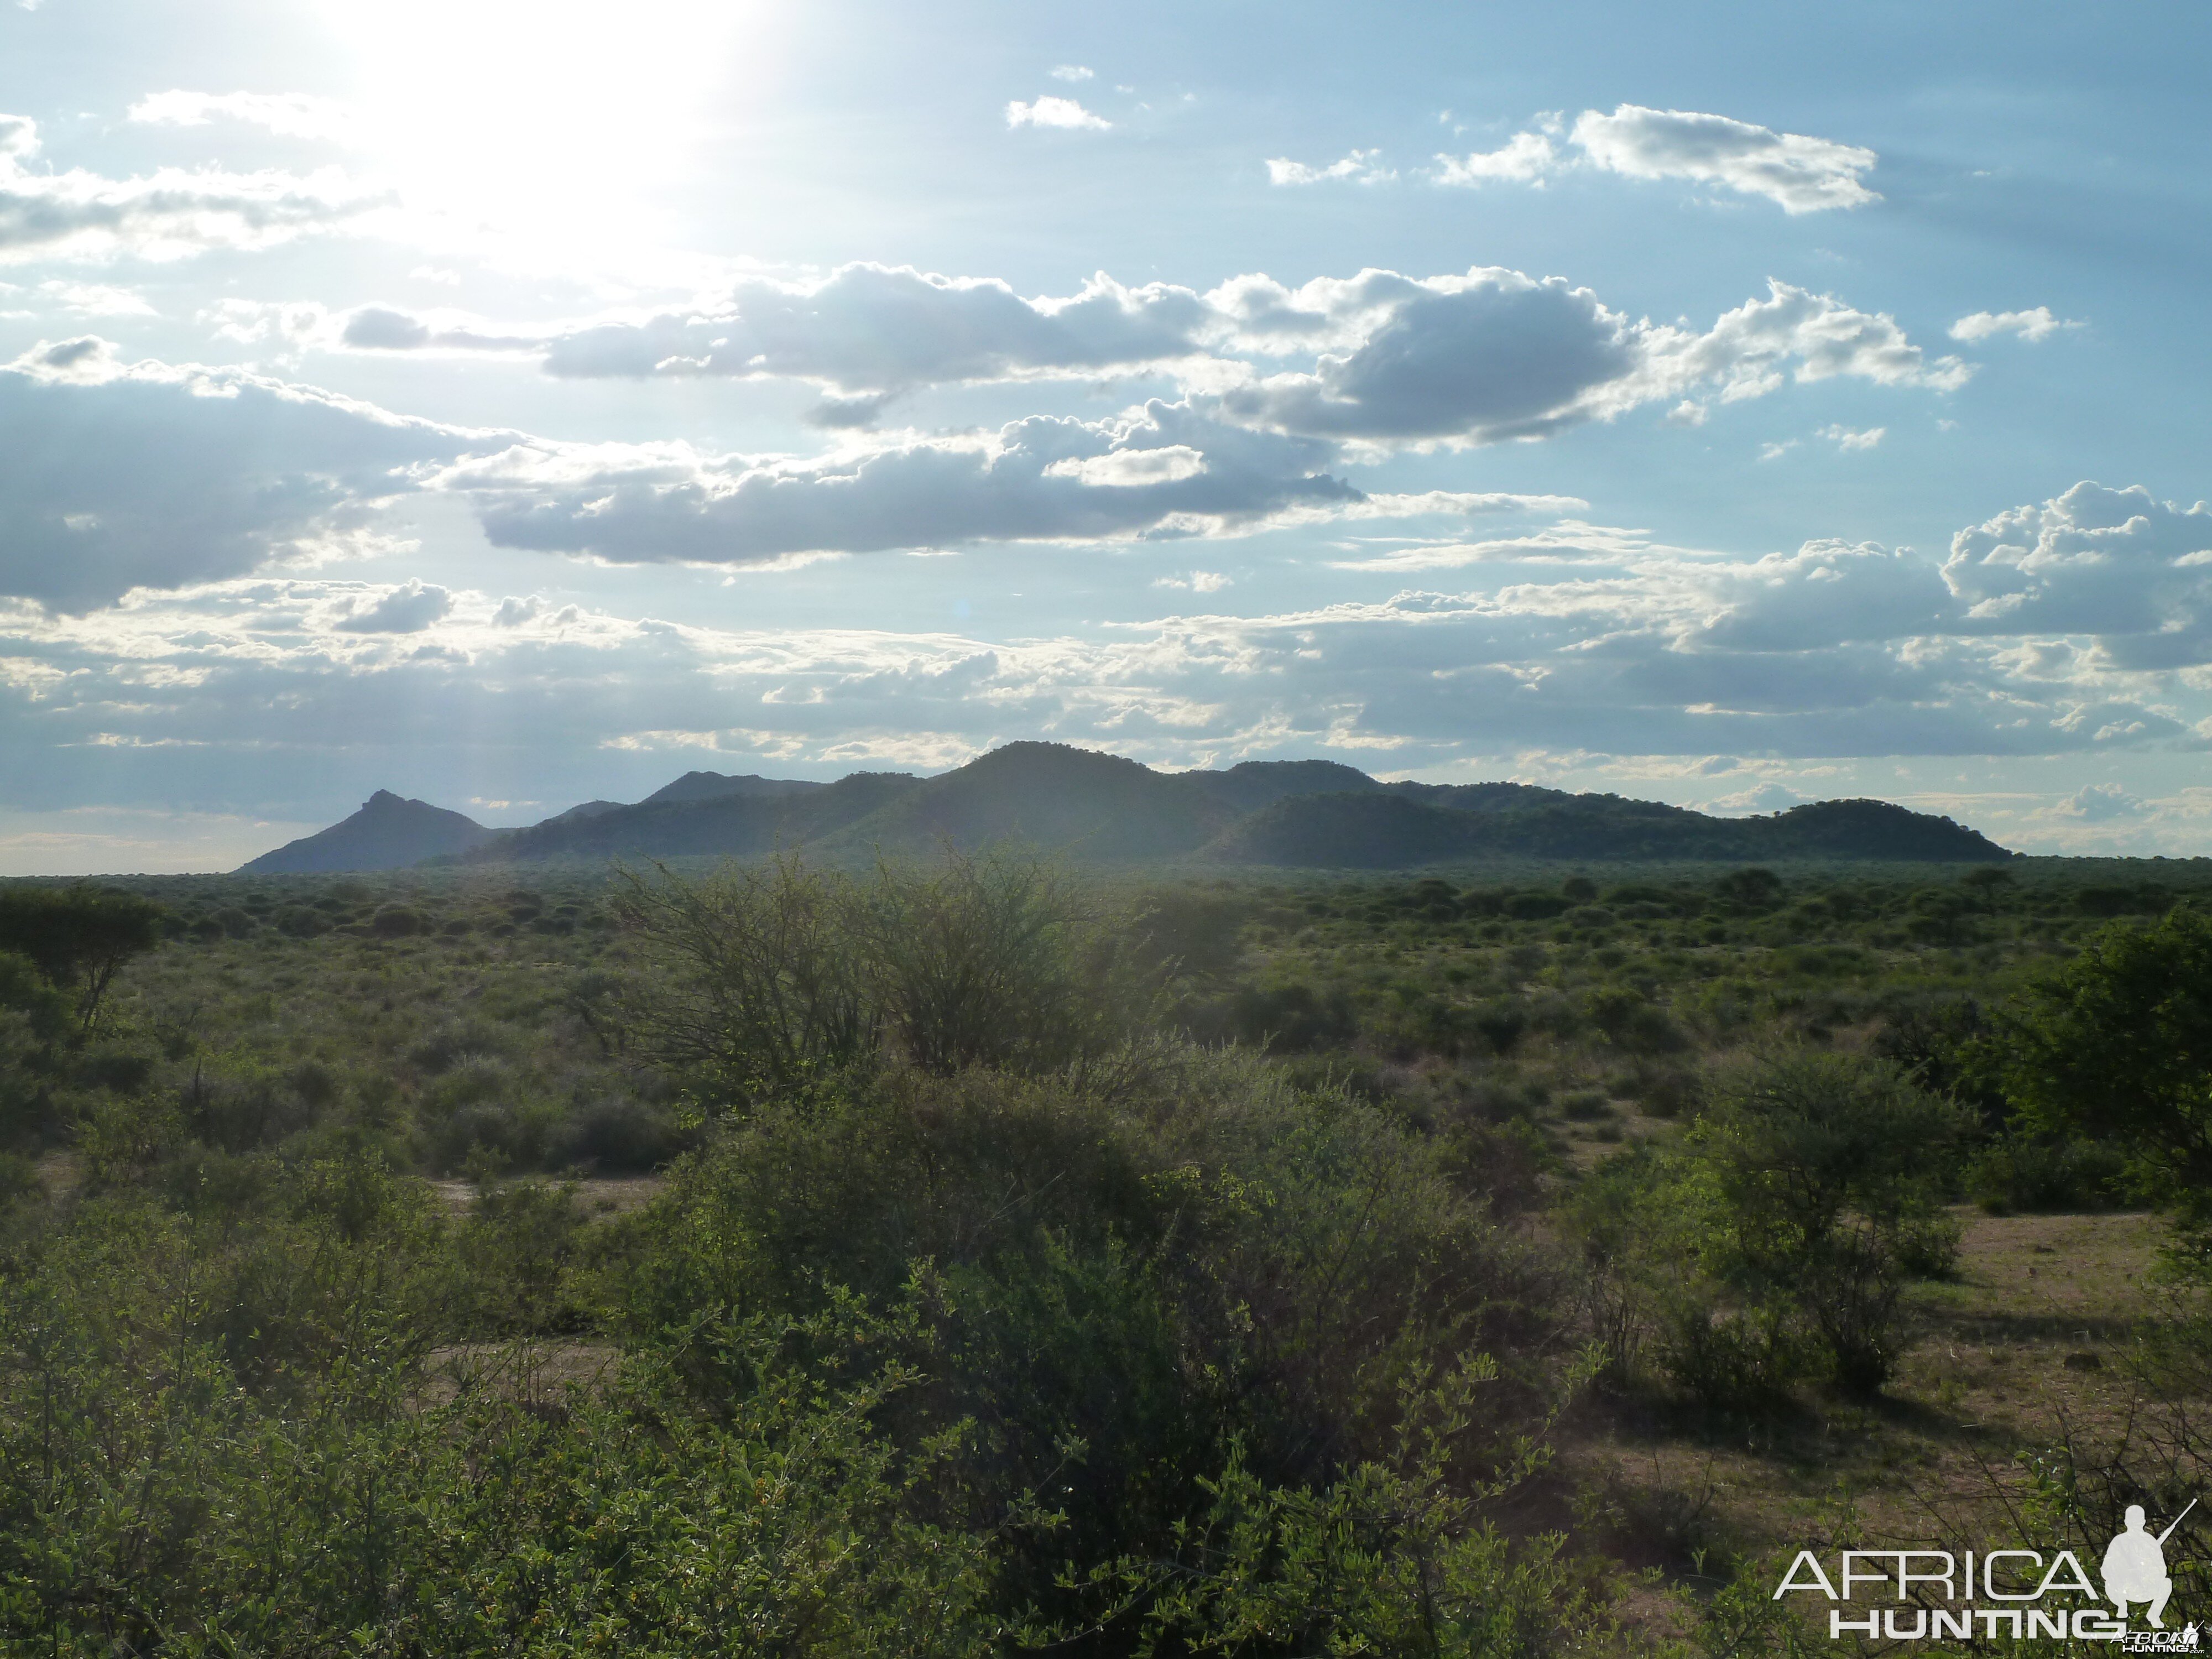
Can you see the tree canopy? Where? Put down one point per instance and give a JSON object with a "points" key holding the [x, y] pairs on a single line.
{"points": [[2118, 1046], [77, 937]]}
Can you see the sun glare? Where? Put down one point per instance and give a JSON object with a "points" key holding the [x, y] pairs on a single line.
{"points": [[566, 122]]}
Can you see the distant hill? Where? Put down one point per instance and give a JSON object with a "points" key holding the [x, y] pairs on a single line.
{"points": [[1307, 814], [388, 833], [1098, 806], [1250, 785], [731, 824], [715, 786], [590, 809], [1383, 831]]}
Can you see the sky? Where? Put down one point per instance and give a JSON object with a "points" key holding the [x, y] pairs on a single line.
{"points": [[512, 404]]}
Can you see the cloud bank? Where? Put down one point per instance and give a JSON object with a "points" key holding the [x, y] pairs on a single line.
{"points": [[1836, 650], [169, 214], [1798, 173], [1481, 357], [118, 474]]}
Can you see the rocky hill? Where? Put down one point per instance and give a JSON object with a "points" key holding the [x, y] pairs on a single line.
{"points": [[1097, 807], [388, 833]]}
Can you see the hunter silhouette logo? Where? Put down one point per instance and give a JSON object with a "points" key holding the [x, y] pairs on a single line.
{"points": [[2021, 1594], [2135, 1567]]}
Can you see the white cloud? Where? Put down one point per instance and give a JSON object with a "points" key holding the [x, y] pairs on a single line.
{"points": [[166, 215], [1570, 541], [1800, 173], [1126, 469], [1834, 650], [287, 114], [1848, 440], [296, 324], [2098, 803], [2030, 325], [1765, 798], [1070, 72], [1360, 167], [1050, 112], [1775, 450], [1480, 357], [863, 329], [1527, 158], [1166, 472], [97, 300], [405, 610], [2118, 564], [1496, 355], [119, 475]]}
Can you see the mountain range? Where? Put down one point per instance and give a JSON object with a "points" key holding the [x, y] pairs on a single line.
{"points": [[1309, 814]]}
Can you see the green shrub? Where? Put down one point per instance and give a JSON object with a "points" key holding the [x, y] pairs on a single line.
{"points": [[2042, 1174]]}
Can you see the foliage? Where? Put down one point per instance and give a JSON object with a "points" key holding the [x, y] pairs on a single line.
{"points": [[993, 960], [1788, 1222], [758, 989], [1142, 1266], [77, 937], [777, 975], [2118, 1045]]}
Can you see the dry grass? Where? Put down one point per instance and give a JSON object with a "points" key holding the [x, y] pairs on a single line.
{"points": [[599, 1199], [2032, 1341], [536, 1373]]}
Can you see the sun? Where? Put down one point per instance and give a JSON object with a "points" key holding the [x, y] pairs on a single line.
{"points": [[566, 122]]}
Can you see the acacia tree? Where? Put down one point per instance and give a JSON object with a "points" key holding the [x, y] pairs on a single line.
{"points": [[1824, 1166], [2117, 1046], [77, 937], [758, 988], [993, 959]]}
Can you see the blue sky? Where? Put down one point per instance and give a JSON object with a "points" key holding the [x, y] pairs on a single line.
{"points": [[511, 405]]}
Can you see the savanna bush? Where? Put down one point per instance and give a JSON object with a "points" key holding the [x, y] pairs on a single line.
{"points": [[1779, 1235]]}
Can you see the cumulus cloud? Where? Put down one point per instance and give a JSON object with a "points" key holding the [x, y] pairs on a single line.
{"points": [[120, 475], [2030, 325], [1051, 112], [2117, 564], [2098, 803], [1361, 166], [1479, 358], [1765, 798], [1835, 650], [404, 609], [1070, 72], [1167, 472], [1527, 158], [1826, 594], [1848, 440], [1799, 174], [1495, 355], [865, 329], [166, 215], [287, 114]]}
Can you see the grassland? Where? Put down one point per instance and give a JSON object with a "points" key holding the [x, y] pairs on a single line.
{"points": [[471, 1054]]}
